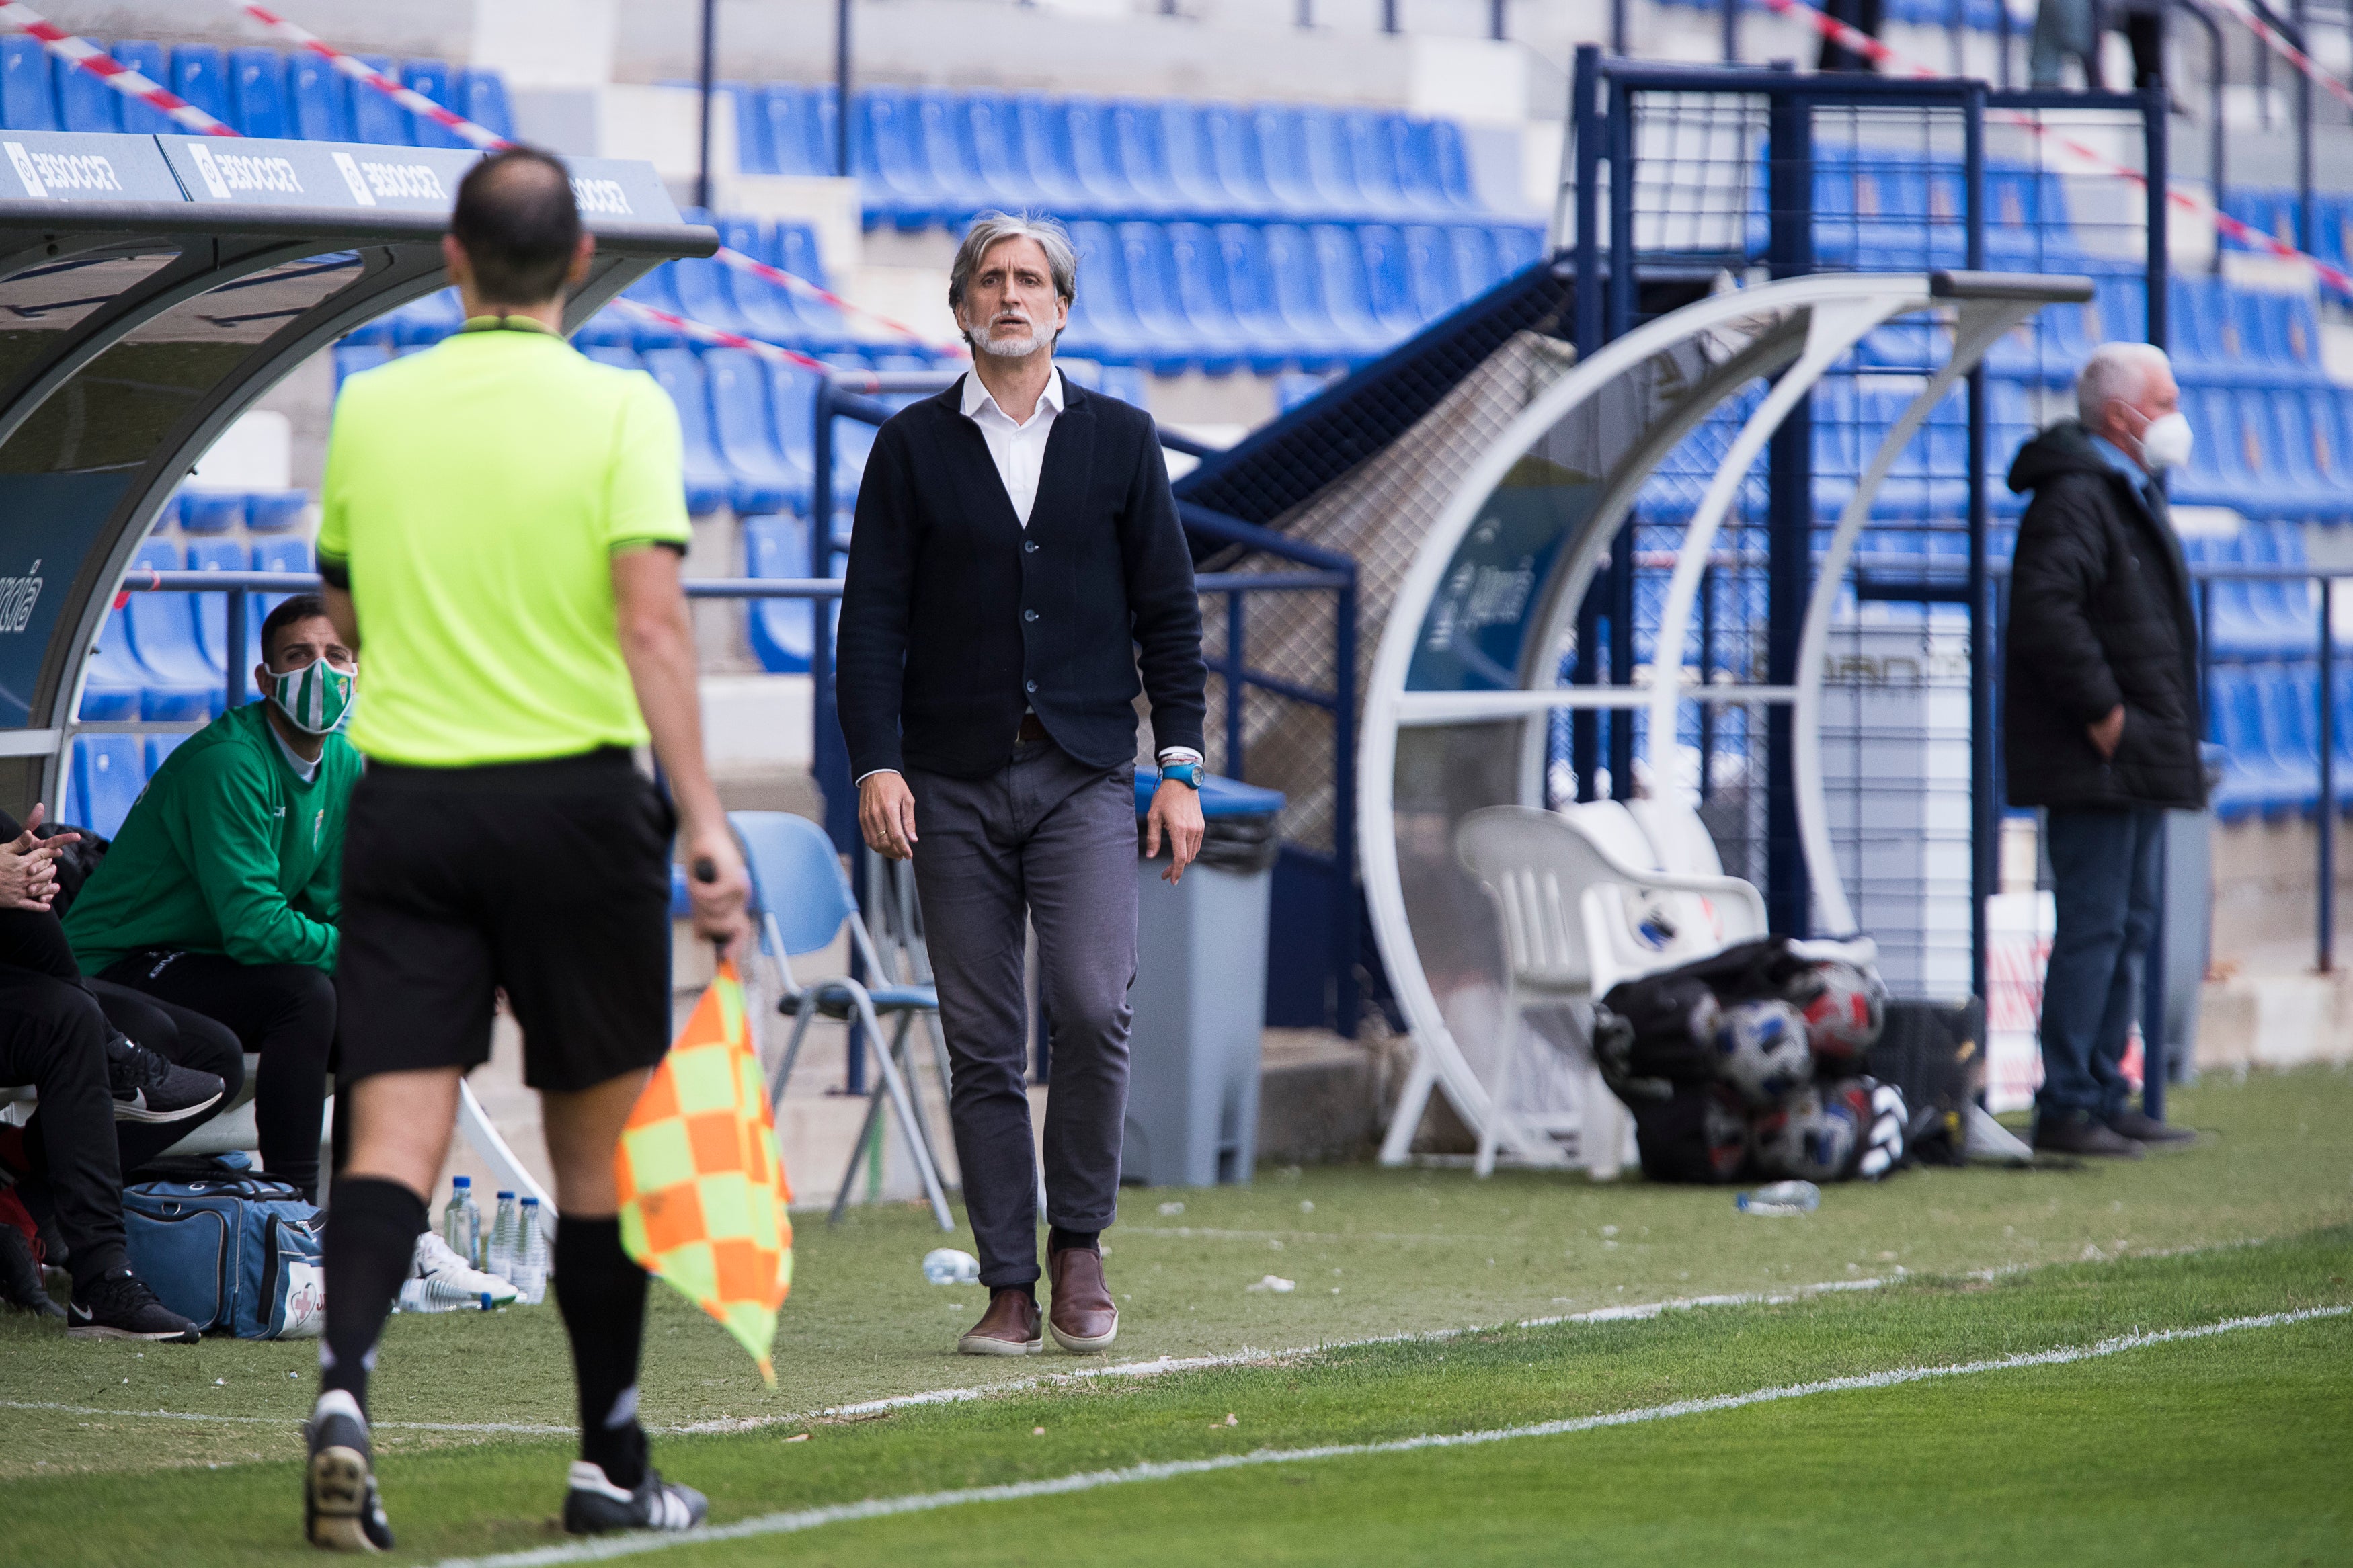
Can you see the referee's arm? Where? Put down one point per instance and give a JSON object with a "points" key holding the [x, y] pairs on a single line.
{"points": [[657, 644]]}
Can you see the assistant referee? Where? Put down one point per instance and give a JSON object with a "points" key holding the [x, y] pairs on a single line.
{"points": [[502, 533]]}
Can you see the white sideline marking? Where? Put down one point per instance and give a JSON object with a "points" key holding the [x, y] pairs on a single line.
{"points": [[801, 1519], [1157, 1366]]}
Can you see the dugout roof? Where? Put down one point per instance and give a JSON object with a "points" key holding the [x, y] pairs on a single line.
{"points": [[152, 287]]}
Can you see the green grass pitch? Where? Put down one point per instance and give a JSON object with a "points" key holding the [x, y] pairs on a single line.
{"points": [[2231, 1448]]}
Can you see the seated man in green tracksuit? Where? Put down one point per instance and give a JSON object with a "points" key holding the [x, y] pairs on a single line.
{"points": [[219, 893]]}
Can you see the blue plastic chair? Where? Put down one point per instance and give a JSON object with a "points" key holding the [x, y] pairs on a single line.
{"points": [[755, 143], [1168, 341], [798, 253], [1196, 268], [1249, 294], [85, 103], [200, 75], [1230, 142], [1086, 123], [1372, 157], [1518, 247], [29, 88], [159, 750], [430, 79], [149, 61], [1283, 160], [1340, 266], [892, 179], [163, 629], [211, 511], [943, 136], [322, 98], [1296, 280], [745, 433], [1193, 184], [279, 555], [765, 308], [804, 900], [708, 483], [211, 617], [1104, 324], [993, 136], [256, 93], [112, 770], [1387, 288], [779, 628], [800, 128], [483, 99], [1043, 141], [1452, 159], [375, 117], [706, 291]]}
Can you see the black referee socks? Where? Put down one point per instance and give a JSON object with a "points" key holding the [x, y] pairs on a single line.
{"points": [[370, 1245], [601, 1293]]}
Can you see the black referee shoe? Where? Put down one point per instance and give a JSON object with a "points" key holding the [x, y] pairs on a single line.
{"points": [[595, 1506], [341, 1512], [150, 1087]]}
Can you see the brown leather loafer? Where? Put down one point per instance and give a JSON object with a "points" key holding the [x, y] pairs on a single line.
{"points": [[1009, 1327], [1083, 1316]]}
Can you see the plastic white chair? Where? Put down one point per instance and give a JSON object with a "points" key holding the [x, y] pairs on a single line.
{"points": [[1574, 893]]}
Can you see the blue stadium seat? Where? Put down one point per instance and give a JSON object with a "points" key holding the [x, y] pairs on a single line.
{"points": [[322, 98], [1325, 157], [893, 181], [1198, 269], [29, 88], [1451, 161], [1138, 155], [1518, 247], [113, 678], [791, 400], [1372, 153], [2289, 695], [799, 133], [744, 429], [1297, 282], [765, 308], [1087, 134], [1127, 383], [430, 79], [705, 290], [1387, 288], [279, 555], [1266, 336], [211, 609], [993, 134], [481, 97], [162, 630], [200, 75], [779, 628], [1043, 143], [158, 748], [708, 482], [211, 511], [1347, 297], [1175, 128], [755, 143], [1434, 286], [798, 253], [1152, 296], [1229, 141], [1283, 161], [274, 511], [375, 117], [1102, 323], [2236, 725], [111, 771], [256, 93], [2328, 412], [150, 61], [84, 101]]}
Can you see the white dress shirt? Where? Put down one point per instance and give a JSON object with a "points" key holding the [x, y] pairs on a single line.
{"points": [[1020, 453]]}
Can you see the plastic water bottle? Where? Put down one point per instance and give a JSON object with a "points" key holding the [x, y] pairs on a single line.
{"points": [[504, 1223], [946, 1265], [529, 1276], [461, 1222], [1780, 1199]]}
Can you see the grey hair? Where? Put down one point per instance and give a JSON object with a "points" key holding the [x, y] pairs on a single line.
{"points": [[2117, 372], [989, 229]]}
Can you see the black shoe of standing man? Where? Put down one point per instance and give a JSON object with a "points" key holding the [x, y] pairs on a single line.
{"points": [[2081, 1135], [2143, 1129], [152, 1088]]}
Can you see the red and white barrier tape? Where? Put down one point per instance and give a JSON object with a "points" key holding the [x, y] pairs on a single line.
{"points": [[1863, 44], [2280, 46], [703, 333], [366, 75], [800, 285], [86, 55]]}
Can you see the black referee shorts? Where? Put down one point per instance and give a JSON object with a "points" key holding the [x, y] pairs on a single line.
{"points": [[548, 879]]}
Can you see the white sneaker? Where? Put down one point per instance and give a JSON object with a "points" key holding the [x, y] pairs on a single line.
{"points": [[440, 1280]]}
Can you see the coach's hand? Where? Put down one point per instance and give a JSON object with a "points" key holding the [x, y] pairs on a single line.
{"points": [[720, 902], [1175, 809], [29, 871], [886, 815]]}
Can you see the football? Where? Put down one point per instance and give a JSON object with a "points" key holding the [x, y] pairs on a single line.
{"points": [[1815, 1136], [1761, 1050], [1843, 1016]]}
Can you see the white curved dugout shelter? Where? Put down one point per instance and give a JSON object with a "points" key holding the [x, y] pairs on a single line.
{"points": [[1465, 679]]}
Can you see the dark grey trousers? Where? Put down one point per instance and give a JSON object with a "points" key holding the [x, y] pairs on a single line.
{"points": [[1050, 835]]}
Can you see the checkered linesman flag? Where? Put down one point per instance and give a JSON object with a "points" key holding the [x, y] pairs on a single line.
{"points": [[702, 1187]]}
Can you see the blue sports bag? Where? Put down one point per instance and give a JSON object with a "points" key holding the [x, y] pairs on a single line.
{"points": [[235, 1252]]}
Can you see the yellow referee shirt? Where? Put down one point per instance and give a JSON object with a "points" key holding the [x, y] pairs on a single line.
{"points": [[474, 497]]}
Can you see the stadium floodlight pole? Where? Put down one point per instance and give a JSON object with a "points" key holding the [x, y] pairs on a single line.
{"points": [[703, 128]]}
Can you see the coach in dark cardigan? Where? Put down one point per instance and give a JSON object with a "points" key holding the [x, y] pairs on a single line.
{"points": [[1017, 563]]}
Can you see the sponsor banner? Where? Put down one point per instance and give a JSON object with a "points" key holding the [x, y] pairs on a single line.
{"points": [[360, 177], [52, 166]]}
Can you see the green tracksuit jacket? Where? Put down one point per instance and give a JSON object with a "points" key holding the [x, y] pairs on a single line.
{"points": [[226, 851]]}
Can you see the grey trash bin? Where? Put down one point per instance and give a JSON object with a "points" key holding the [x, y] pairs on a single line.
{"points": [[1201, 995]]}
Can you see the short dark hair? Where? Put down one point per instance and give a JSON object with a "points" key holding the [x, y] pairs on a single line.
{"points": [[300, 607], [518, 224]]}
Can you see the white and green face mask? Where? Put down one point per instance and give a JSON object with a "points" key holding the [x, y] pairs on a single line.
{"points": [[316, 699]]}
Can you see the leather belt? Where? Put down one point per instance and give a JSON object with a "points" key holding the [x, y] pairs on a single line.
{"points": [[1033, 729]]}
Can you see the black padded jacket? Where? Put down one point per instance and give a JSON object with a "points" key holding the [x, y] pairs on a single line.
{"points": [[2099, 613]]}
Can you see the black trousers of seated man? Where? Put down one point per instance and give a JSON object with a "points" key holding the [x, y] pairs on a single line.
{"points": [[283, 1013], [53, 1036]]}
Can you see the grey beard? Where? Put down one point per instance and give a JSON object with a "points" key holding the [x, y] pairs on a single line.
{"points": [[997, 348]]}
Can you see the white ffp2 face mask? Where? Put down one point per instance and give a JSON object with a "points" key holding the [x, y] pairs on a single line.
{"points": [[2164, 442]]}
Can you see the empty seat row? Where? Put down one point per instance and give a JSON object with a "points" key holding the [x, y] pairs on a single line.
{"points": [[2275, 211], [104, 774], [261, 92], [936, 155], [1881, 209], [2284, 453], [2255, 619], [227, 512], [2266, 718], [161, 656]]}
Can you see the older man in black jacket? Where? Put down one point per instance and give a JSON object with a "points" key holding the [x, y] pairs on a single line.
{"points": [[1016, 561], [2101, 722]]}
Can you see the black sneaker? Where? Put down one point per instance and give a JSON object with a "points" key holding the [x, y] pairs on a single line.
{"points": [[341, 1511], [2143, 1129], [120, 1307], [595, 1506], [150, 1087], [20, 1276], [2081, 1135]]}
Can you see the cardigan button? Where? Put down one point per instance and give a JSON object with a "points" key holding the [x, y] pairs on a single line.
{"points": [[1028, 547], [1028, 615], [1028, 686]]}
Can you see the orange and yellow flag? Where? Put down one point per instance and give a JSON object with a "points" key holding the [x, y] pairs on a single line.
{"points": [[702, 1187]]}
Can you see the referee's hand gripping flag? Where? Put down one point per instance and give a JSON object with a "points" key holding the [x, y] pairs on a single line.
{"points": [[702, 1185]]}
